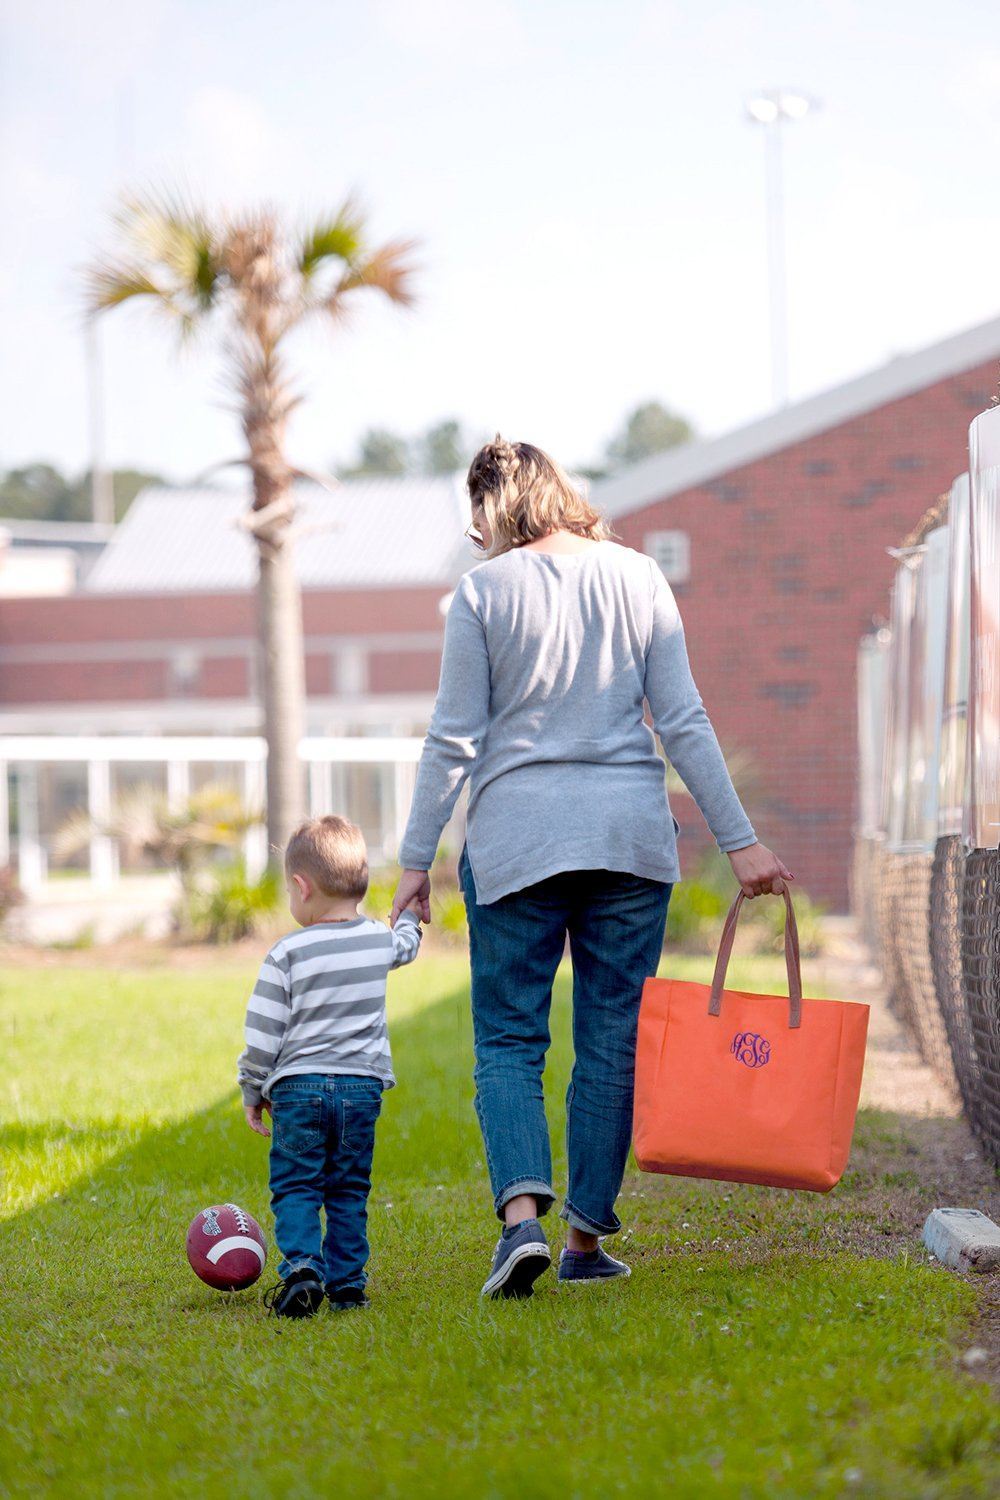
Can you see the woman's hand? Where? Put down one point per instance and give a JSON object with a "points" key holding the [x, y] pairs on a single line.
{"points": [[414, 886], [759, 872]]}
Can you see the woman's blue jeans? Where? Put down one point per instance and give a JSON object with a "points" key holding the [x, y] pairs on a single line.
{"points": [[615, 925]]}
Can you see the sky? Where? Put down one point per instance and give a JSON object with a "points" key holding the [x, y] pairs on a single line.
{"points": [[586, 187]]}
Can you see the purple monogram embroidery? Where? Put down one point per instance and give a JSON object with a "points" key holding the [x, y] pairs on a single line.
{"points": [[751, 1049]]}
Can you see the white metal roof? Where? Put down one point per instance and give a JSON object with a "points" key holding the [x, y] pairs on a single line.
{"points": [[365, 534], [31, 533], [697, 463]]}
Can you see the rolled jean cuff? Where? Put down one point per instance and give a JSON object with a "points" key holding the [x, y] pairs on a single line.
{"points": [[586, 1225], [534, 1187], [304, 1263]]}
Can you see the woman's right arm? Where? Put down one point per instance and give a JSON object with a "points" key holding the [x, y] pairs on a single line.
{"points": [[458, 723]]}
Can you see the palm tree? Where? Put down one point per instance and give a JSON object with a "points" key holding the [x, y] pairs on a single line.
{"points": [[254, 281]]}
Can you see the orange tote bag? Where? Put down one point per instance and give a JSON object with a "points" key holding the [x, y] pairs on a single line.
{"points": [[747, 1088]]}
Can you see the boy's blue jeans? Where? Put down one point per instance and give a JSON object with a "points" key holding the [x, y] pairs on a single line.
{"points": [[615, 925], [322, 1141]]}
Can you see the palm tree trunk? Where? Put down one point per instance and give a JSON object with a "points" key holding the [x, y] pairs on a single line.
{"points": [[255, 264], [283, 690]]}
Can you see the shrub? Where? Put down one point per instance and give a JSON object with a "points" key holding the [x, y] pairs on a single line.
{"points": [[378, 901], [447, 901], [694, 917], [448, 911], [11, 894], [699, 905], [230, 906], [769, 924]]}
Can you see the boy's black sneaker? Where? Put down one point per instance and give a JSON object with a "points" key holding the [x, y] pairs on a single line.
{"points": [[300, 1295], [346, 1298]]}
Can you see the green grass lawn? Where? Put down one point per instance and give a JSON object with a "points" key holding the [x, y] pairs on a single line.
{"points": [[760, 1347]]}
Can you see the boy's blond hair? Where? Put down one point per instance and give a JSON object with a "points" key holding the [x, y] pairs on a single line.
{"points": [[331, 852]]}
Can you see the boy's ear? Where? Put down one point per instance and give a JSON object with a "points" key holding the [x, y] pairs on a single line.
{"points": [[303, 886]]}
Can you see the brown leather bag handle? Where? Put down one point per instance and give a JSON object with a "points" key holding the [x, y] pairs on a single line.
{"points": [[792, 960]]}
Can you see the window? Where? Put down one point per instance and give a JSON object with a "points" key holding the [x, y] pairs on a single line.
{"points": [[184, 672], [671, 550]]}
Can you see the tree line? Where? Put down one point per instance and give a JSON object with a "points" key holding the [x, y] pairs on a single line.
{"points": [[42, 492]]}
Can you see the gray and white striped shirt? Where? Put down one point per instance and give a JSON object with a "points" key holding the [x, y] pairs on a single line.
{"points": [[319, 1003]]}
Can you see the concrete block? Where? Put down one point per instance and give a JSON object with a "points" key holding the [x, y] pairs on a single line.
{"points": [[963, 1238]]}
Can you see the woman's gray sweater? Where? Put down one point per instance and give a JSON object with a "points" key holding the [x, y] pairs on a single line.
{"points": [[547, 659]]}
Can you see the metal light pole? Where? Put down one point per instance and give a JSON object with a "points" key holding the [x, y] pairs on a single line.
{"points": [[102, 494], [102, 483], [771, 109]]}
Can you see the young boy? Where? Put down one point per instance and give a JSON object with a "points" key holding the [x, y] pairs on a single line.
{"points": [[317, 1059]]}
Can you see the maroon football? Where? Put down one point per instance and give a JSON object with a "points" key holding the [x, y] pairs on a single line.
{"points": [[226, 1247]]}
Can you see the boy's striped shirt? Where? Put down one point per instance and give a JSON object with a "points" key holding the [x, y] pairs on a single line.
{"points": [[319, 1003]]}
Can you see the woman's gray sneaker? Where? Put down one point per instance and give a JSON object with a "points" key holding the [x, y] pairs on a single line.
{"points": [[522, 1254], [576, 1269]]}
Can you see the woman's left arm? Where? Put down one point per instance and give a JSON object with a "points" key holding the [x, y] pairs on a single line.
{"points": [[458, 723]]}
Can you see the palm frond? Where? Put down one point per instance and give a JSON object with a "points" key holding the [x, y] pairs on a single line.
{"points": [[74, 835], [143, 823], [340, 237], [175, 239], [113, 283], [390, 269]]}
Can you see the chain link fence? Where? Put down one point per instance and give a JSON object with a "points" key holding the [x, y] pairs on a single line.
{"points": [[947, 882], [980, 944]]}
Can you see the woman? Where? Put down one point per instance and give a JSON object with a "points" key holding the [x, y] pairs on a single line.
{"points": [[551, 647]]}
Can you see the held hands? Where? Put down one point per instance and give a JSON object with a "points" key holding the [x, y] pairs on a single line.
{"points": [[255, 1116], [413, 893], [759, 872]]}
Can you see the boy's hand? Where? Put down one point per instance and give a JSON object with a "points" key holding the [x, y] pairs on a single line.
{"points": [[415, 907], [255, 1116]]}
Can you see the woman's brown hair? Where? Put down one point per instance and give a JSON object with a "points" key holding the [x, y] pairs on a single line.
{"points": [[524, 494]]}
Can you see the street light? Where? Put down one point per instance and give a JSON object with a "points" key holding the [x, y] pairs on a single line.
{"points": [[771, 108]]}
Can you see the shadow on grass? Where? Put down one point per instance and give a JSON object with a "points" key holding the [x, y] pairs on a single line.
{"points": [[429, 1170], [429, 1151], [427, 1135]]}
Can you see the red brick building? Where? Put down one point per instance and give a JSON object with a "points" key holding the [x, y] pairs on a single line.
{"points": [[160, 637], [774, 537], [787, 523]]}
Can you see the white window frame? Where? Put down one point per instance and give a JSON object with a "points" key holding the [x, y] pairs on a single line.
{"points": [[671, 551]]}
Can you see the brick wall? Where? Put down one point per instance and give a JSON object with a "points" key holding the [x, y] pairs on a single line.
{"points": [[147, 648], [788, 566]]}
